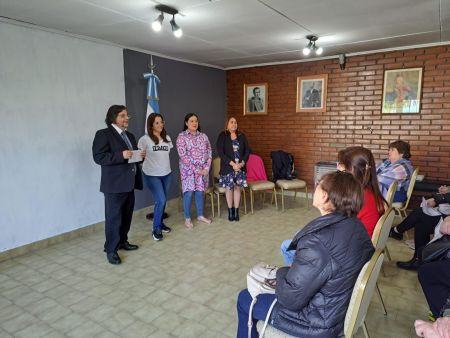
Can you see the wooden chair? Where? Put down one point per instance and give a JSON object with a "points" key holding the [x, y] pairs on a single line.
{"points": [[362, 295], [285, 184], [359, 302], [256, 164], [400, 207], [390, 195], [379, 240], [217, 189], [295, 185]]}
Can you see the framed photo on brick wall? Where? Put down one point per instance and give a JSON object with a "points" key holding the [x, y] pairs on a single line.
{"points": [[255, 98], [312, 93], [402, 90]]}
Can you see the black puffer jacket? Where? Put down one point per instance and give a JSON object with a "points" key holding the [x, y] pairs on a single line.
{"points": [[314, 293]]}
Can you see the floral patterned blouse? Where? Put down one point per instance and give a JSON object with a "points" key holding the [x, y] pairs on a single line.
{"points": [[195, 154]]}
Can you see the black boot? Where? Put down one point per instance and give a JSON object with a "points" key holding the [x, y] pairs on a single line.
{"points": [[412, 264], [236, 214], [231, 214]]}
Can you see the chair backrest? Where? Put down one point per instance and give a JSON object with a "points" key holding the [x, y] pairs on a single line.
{"points": [[216, 167], [255, 169], [362, 294], [381, 232], [412, 183], [390, 194]]}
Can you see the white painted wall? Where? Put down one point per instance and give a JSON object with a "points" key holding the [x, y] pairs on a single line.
{"points": [[54, 94]]}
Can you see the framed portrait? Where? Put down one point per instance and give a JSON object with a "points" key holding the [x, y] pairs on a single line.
{"points": [[255, 98], [312, 93], [402, 91]]}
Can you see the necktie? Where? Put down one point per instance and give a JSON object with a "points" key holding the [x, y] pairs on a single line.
{"points": [[127, 140]]}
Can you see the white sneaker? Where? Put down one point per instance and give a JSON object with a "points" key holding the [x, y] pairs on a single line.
{"points": [[188, 223], [204, 219]]}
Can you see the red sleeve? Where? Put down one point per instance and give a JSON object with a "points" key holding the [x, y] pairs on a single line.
{"points": [[369, 215]]}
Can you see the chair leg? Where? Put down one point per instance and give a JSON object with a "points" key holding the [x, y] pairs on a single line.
{"points": [[307, 198], [218, 205], [251, 200], [381, 298], [245, 201], [263, 197], [212, 204], [282, 199], [366, 333], [275, 195], [388, 255]]}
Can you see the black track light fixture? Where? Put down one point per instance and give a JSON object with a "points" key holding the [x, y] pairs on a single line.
{"points": [[311, 46], [157, 24]]}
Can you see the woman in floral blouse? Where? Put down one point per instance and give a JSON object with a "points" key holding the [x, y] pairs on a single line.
{"points": [[194, 150]]}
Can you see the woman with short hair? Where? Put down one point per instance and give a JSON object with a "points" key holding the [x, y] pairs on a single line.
{"points": [[398, 168], [313, 294]]}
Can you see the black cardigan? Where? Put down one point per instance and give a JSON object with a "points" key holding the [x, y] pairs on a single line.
{"points": [[226, 154]]}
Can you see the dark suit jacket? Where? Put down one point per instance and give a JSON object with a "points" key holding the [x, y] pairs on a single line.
{"points": [[226, 153], [117, 174]]}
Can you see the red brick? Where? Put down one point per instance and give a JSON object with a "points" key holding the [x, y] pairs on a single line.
{"points": [[353, 105]]}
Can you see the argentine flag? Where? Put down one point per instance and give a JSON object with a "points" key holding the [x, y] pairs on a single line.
{"points": [[152, 95]]}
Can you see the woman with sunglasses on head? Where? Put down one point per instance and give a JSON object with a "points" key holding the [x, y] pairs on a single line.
{"points": [[156, 168], [360, 163]]}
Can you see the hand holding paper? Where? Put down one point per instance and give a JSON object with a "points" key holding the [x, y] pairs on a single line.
{"points": [[136, 156]]}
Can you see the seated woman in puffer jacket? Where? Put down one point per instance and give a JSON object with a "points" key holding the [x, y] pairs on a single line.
{"points": [[314, 292]]}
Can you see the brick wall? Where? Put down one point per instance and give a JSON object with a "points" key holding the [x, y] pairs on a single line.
{"points": [[353, 115]]}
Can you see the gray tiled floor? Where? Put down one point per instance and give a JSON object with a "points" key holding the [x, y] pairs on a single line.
{"points": [[184, 286]]}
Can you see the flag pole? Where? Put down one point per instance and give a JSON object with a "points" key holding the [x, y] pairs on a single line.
{"points": [[151, 65]]}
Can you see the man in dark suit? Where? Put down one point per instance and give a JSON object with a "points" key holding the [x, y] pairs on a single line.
{"points": [[112, 148]]}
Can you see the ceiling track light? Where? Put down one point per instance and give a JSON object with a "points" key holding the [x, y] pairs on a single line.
{"points": [[311, 46], [175, 28], [157, 24]]}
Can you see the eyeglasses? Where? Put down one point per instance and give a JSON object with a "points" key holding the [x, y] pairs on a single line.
{"points": [[124, 116]]}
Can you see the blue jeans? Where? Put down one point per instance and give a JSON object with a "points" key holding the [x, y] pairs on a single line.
{"points": [[288, 256], [400, 196], [159, 186], [187, 200], [259, 312]]}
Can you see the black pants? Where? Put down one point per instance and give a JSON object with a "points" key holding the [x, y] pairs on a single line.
{"points": [[434, 278], [423, 227], [118, 214]]}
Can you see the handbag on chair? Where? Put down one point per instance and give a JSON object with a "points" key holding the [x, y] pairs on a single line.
{"points": [[259, 280]]}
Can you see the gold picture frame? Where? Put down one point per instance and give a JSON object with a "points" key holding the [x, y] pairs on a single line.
{"points": [[402, 90], [255, 98], [312, 93]]}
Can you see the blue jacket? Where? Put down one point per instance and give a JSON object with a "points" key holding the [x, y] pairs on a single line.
{"points": [[313, 294]]}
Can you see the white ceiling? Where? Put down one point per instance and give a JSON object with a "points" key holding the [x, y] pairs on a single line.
{"points": [[235, 33]]}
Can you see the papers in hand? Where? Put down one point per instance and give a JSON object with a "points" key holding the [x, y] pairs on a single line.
{"points": [[136, 157], [428, 210]]}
